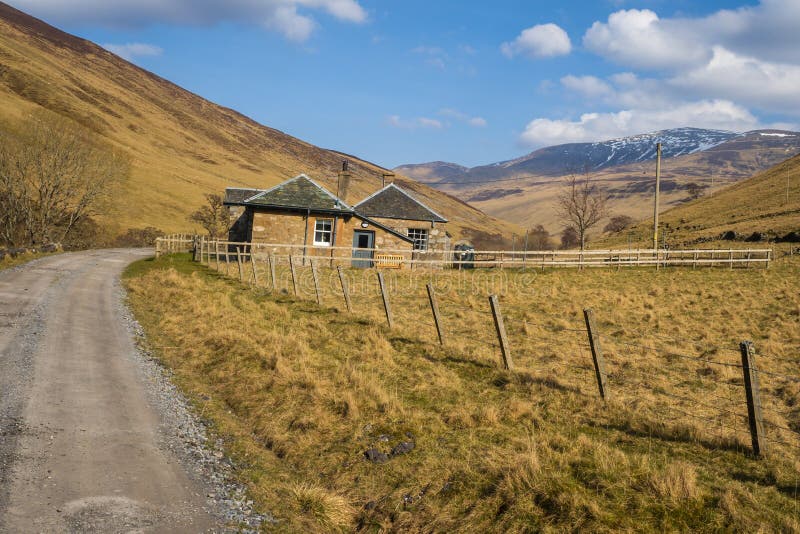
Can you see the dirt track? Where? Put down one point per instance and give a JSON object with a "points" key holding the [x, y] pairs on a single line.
{"points": [[80, 443]]}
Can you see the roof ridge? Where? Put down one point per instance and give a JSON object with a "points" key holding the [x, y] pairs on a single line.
{"points": [[274, 187], [262, 195]]}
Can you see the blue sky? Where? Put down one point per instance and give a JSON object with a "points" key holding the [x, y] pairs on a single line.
{"points": [[473, 82]]}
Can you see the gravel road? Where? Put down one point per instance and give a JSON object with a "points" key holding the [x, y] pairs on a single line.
{"points": [[93, 435]]}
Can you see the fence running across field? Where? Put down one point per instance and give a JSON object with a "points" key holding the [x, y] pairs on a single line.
{"points": [[335, 256], [666, 380]]}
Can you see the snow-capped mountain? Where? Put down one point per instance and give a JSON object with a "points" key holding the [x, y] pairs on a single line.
{"points": [[571, 158]]}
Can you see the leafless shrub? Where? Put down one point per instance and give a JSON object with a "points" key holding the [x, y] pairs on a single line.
{"points": [[54, 174]]}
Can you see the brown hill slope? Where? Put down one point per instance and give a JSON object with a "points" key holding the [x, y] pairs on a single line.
{"points": [[182, 145], [757, 205]]}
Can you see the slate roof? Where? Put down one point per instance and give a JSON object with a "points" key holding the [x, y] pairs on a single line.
{"points": [[392, 202], [301, 192], [237, 195]]}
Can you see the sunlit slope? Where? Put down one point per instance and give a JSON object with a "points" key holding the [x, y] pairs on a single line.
{"points": [[182, 145], [756, 205]]}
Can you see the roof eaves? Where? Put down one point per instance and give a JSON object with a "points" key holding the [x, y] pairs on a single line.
{"points": [[284, 207]]}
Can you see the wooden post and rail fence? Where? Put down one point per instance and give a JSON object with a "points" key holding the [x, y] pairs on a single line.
{"points": [[452, 259]]}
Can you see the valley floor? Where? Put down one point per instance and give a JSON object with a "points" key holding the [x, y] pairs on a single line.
{"points": [[337, 422]]}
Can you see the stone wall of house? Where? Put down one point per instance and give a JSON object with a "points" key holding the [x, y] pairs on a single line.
{"points": [[438, 238], [280, 227]]}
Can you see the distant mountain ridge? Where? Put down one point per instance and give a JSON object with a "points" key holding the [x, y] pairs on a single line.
{"points": [[570, 158]]}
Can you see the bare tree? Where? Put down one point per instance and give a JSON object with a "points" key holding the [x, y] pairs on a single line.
{"points": [[212, 216], [54, 174], [581, 205]]}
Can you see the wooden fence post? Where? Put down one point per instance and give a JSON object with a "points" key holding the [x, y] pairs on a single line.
{"points": [[505, 348], [271, 261], [196, 248], [253, 266], [158, 247], [597, 353], [345, 289], [315, 275], [386, 307], [239, 262], [294, 275], [216, 254], [435, 310], [752, 391]]}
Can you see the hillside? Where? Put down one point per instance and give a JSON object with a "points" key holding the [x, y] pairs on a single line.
{"points": [[756, 205], [524, 190], [182, 146]]}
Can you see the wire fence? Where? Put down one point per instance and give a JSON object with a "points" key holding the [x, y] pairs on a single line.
{"points": [[679, 388]]}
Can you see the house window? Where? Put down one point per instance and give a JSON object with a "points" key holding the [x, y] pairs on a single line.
{"points": [[420, 237], [323, 230]]}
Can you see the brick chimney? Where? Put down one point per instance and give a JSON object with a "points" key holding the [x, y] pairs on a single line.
{"points": [[343, 186]]}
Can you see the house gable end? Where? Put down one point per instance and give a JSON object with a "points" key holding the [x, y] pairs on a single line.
{"points": [[392, 202]]}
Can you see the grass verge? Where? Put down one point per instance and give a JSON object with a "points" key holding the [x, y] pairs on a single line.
{"points": [[8, 262], [300, 393]]}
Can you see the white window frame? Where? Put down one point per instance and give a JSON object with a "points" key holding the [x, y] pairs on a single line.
{"points": [[320, 231], [420, 237]]}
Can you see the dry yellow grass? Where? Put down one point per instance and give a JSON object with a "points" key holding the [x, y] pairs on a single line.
{"points": [[301, 392], [9, 262]]}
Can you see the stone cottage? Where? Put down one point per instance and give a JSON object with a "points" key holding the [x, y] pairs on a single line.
{"points": [[301, 213]]}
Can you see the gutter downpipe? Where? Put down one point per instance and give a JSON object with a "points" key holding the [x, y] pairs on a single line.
{"points": [[305, 236]]}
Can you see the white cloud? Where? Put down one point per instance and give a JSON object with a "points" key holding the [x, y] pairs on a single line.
{"points": [[639, 38], [283, 16], [540, 41], [589, 86], [713, 114], [762, 84], [716, 71], [396, 121], [129, 51], [450, 113]]}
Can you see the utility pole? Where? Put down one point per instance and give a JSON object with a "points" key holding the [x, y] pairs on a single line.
{"points": [[658, 190], [711, 193], [787, 183]]}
